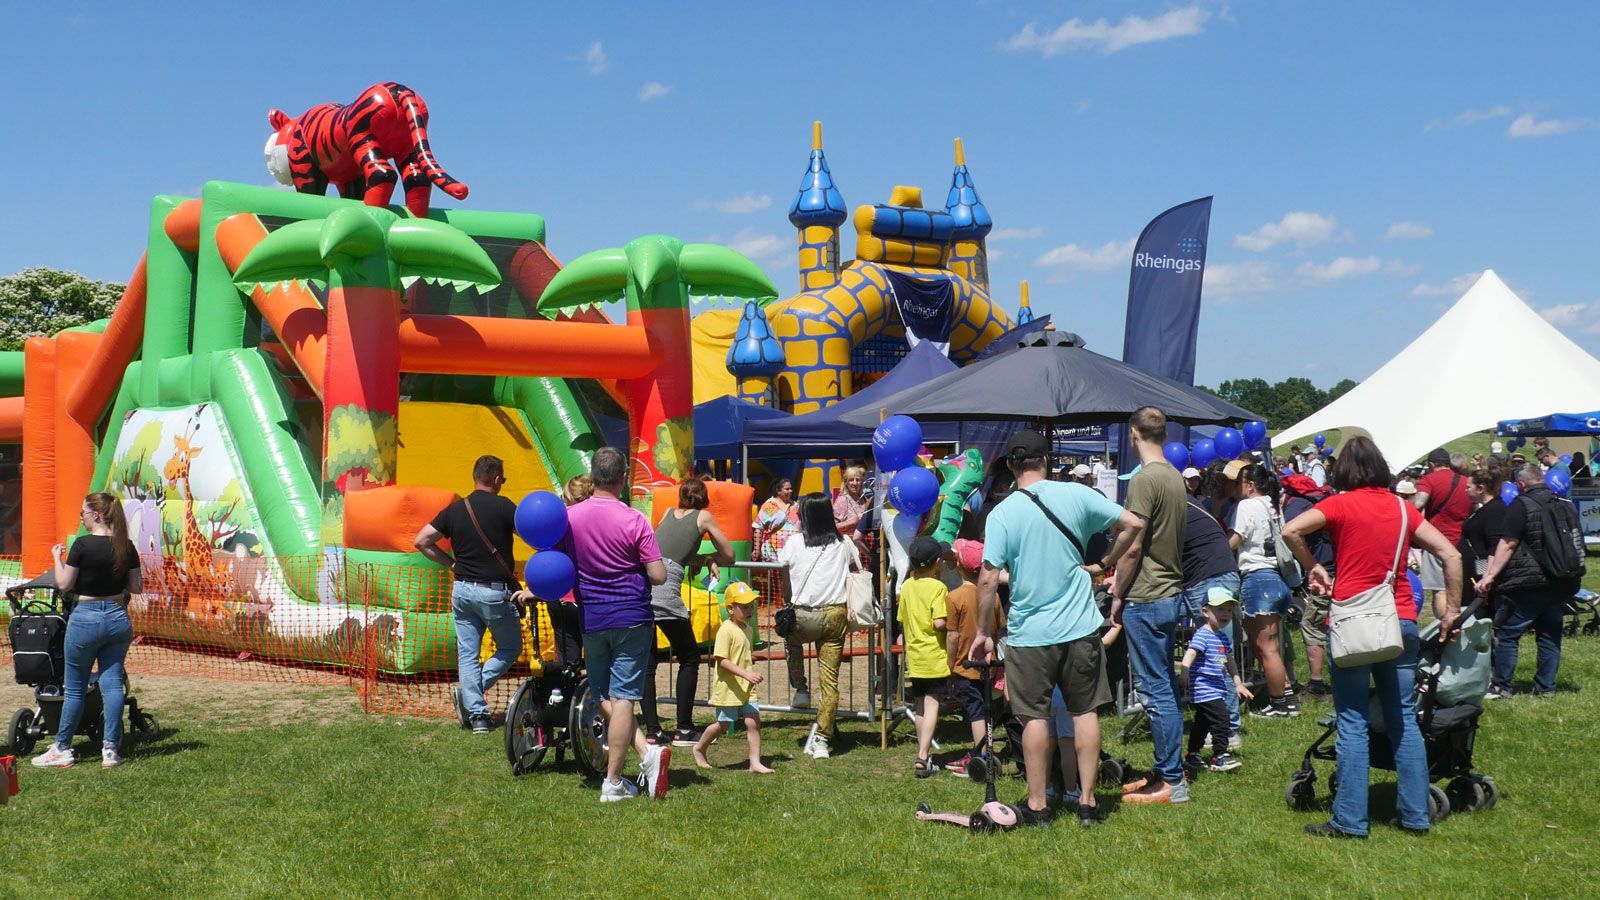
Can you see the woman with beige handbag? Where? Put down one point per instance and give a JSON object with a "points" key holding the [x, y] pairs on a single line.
{"points": [[818, 562]]}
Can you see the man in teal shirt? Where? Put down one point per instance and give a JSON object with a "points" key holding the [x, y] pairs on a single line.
{"points": [[1038, 534]]}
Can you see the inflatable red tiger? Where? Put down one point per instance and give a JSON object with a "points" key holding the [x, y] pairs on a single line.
{"points": [[351, 147]]}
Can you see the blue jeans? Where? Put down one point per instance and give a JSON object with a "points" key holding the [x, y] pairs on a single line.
{"points": [[97, 632], [1395, 680], [1151, 632], [479, 608], [1542, 611], [616, 658], [1194, 601]]}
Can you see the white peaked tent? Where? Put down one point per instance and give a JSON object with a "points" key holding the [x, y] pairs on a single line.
{"points": [[1490, 357]]}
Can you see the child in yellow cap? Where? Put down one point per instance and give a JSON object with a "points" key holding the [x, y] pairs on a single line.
{"points": [[734, 695]]}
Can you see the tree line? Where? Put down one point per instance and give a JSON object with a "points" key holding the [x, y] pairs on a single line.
{"points": [[1281, 404], [39, 301]]}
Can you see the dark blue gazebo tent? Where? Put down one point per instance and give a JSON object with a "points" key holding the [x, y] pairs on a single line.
{"points": [[822, 434], [1553, 425]]}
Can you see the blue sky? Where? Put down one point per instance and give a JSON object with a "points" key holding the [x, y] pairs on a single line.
{"points": [[1366, 159]]}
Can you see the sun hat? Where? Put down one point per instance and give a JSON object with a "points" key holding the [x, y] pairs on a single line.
{"points": [[1191, 472], [1405, 487], [1220, 596], [1080, 470], [738, 594]]}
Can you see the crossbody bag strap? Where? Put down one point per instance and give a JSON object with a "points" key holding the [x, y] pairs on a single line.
{"points": [[806, 580], [467, 502], [1435, 510], [1082, 554], [1400, 542]]}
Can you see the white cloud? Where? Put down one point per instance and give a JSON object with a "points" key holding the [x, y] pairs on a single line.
{"points": [[1076, 34], [594, 56], [1581, 317], [762, 247], [1471, 116], [1016, 234], [1407, 231], [1529, 125], [1224, 281], [747, 202], [1338, 270], [1305, 229], [1089, 259], [653, 90], [1453, 287]]}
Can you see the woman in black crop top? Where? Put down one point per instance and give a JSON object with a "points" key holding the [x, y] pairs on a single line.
{"points": [[102, 569]]}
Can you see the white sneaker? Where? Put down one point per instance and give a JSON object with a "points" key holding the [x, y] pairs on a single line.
{"points": [[109, 757], [653, 771], [617, 791], [55, 758], [819, 747]]}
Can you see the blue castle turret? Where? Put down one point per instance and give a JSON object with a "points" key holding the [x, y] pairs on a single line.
{"points": [[817, 212], [968, 256], [755, 357]]}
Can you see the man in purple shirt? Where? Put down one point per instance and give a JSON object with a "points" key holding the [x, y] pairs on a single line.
{"points": [[615, 552]]}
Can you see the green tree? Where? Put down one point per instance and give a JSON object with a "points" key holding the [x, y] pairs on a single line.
{"points": [[41, 301]]}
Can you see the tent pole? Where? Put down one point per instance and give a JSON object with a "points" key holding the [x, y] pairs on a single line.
{"points": [[883, 581]]}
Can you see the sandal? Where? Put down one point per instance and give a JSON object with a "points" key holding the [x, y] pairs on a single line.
{"points": [[925, 768]]}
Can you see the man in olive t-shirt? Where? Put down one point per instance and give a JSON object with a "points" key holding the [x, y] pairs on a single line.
{"points": [[1146, 595]]}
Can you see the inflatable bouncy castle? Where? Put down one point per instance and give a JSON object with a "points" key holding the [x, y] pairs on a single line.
{"points": [[293, 384], [918, 274]]}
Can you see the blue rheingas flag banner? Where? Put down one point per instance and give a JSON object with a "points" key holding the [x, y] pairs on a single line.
{"points": [[1169, 262]]}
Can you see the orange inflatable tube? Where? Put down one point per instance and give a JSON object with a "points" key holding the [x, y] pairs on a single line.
{"points": [[74, 445], [11, 419], [89, 396], [388, 518], [476, 345], [732, 505], [182, 226], [39, 454], [292, 311]]}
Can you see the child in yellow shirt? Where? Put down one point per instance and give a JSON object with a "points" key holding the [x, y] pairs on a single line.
{"points": [[734, 692], [922, 614]]}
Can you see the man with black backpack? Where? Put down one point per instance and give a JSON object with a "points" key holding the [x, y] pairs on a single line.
{"points": [[1538, 565]]}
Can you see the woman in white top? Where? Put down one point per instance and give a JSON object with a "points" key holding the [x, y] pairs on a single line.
{"points": [[816, 561], [1263, 595]]}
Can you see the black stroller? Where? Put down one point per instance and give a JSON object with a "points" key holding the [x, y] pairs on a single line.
{"points": [[38, 634], [1449, 729], [553, 710]]}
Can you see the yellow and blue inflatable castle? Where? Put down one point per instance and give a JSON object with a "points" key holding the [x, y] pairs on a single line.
{"points": [[918, 274]]}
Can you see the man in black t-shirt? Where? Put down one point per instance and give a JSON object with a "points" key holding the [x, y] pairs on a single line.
{"points": [[1535, 599], [482, 597]]}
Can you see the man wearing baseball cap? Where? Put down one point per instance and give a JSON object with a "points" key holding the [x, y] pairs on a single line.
{"points": [[1038, 534]]}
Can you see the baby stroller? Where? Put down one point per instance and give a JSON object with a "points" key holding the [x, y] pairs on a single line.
{"points": [[1451, 679], [553, 710], [1583, 603], [38, 634]]}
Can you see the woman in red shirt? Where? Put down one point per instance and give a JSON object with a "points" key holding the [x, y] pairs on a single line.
{"points": [[1365, 521]]}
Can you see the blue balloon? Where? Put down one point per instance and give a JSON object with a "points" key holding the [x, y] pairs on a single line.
{"points": [[550, 574], [541, 520], [1565, 459], [914, 490], [1254, 433], [1177, 454], [1559, 481], [1509, 492], [896, 442], [1319, 440], [1203, 454], [1229, 443]]}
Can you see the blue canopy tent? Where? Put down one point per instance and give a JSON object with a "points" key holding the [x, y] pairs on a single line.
{"points": [[823, 435], [719, 427], [1552, 425]]}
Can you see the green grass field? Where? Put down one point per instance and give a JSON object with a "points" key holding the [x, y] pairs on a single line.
{"points": [[273, 791]]}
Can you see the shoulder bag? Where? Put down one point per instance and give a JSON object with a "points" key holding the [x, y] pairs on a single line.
{"points": [[1365, 628], [862, 607], [783, 621], [515, 582], [1288, 567]]}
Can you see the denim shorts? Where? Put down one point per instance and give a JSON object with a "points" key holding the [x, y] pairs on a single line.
{"points": [[731, 716], [1263, 593], [616, 658]]}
